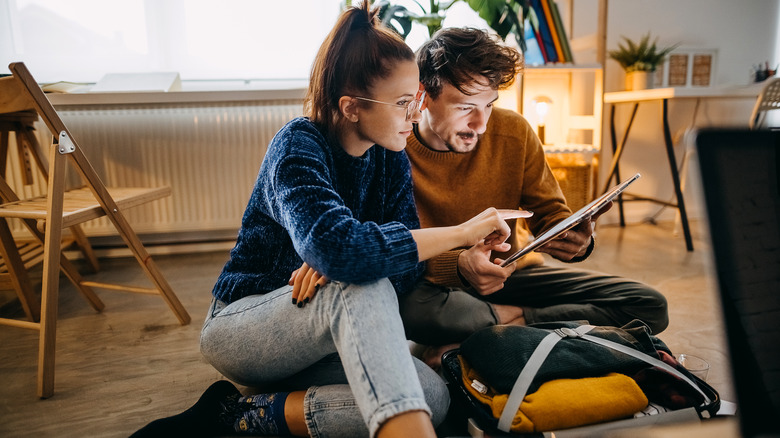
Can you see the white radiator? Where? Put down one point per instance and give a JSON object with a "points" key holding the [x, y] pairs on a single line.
{"points": [[209, 154]]}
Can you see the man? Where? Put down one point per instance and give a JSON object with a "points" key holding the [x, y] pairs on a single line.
{"points": [[466, 156]]}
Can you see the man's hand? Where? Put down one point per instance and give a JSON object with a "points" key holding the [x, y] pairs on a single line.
{"points": [[484, 276], [574, 242]]}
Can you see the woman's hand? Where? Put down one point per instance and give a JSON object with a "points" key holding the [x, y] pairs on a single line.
{"points": [[490, 227], [305, 282]]}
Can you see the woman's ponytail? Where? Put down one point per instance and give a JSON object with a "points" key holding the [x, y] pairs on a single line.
{"points": [[357, 51]]}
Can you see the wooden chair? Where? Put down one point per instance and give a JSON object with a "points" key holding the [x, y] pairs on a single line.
{"points": [[46, 216], [768, 100], [28, 152]]}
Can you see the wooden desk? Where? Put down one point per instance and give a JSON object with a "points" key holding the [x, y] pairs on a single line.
{"points": [[663, 95]]}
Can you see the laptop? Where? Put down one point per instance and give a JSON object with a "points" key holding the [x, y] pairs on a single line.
{"points": [[740, 174]]}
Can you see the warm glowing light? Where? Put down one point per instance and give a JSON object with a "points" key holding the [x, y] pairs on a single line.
{"points": [[541, 107], [541, 110]]}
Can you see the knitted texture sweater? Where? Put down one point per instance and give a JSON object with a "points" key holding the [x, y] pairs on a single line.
{"points": [[347, 217], [507, 169]]}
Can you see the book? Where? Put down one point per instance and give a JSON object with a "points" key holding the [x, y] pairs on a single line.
{"points": [[570, 222], [65, 87], [534, 20], [546, 7], [561, 30], [533, 53], [548, 46]]}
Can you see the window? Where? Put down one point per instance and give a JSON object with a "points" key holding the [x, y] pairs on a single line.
{"points": [[81, 40]]}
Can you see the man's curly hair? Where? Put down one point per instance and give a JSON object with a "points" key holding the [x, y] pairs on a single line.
{"points": [[459, 56]]}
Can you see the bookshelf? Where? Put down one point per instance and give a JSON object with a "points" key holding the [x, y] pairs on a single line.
{"points": [[572, 124], [573, 120]]}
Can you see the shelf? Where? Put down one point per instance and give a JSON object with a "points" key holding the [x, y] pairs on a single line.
{"points": [[563, 67], [571, 148], [575, 114]]}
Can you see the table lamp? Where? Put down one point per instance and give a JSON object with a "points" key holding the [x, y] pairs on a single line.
{"points": [[541, 107]]}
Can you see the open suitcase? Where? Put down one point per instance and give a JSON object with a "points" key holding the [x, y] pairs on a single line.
{"points": [[626, 349]]}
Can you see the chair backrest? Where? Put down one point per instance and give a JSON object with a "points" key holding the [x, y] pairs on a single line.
{"points": [[25, 93], [768, 100]]}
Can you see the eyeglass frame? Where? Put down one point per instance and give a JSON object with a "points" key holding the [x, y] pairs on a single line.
{"points": [[410, 107]]}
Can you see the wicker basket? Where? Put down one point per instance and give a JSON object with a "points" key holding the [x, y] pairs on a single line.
{"points": [[575, 176]]}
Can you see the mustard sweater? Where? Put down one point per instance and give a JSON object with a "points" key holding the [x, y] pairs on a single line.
{"points": [[507, 169]]}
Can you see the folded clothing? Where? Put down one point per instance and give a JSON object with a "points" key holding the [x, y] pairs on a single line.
{"points": [[563, 403]]}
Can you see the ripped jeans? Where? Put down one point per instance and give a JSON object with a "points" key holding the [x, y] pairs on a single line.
{"points": [[346, 348]]}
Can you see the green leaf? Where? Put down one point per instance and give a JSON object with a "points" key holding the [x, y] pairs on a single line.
{"points": [[642, 56], [395, 17], [503, 16]]}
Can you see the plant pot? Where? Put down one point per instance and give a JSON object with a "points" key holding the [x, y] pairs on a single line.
{"points": [[639, 80]]}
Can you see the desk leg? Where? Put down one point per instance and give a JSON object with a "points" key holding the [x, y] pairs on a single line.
{"points": [[676, 176], [617, 152]]}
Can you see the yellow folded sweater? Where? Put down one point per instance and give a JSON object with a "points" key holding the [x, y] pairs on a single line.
{"points": [[564, 403]]}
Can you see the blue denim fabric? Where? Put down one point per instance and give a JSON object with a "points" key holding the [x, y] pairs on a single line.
{"points": [[261, 340]]}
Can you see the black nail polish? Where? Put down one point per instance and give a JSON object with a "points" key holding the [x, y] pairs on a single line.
{"points": [[294, 301], [306, 300], [300, 304]]}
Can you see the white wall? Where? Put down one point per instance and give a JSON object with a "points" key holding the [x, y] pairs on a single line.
{"points": [[743, 32]]}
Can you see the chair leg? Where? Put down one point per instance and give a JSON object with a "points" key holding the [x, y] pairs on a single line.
{"points": [[51, 275], [166, 291], [149, 267], [49, 309], [18, 273]]}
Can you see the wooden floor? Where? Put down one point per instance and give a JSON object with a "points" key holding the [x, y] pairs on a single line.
{"points": [[132, 363]]}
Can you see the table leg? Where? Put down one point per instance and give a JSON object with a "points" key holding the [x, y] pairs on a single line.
{"points": [[617, 152], [676, 176]]}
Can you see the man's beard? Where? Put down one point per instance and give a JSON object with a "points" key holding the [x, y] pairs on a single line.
{"points": [[467, 135]]}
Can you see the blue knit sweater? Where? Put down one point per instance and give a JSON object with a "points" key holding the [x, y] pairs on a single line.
{"points": [[347, 217]]}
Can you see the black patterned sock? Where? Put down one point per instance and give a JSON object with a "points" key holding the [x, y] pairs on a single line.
{"points": [[261, 414], [204, 419]]}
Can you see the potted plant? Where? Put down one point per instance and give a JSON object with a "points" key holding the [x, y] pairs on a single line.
{"points": [[503, 16], [639, 60]]}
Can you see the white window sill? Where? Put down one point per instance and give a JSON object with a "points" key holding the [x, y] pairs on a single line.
{"points": [[191, 92]]}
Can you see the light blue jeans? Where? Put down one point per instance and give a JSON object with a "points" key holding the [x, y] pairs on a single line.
{"points": [[346, 348]]}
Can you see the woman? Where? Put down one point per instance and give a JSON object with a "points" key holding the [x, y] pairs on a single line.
{"points": [[332, 212]]}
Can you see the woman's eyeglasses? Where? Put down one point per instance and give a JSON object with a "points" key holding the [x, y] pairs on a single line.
{"points": [[410, 107]]}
